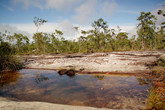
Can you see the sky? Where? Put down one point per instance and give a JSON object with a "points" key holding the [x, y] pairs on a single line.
{"points": [[17, 15]]}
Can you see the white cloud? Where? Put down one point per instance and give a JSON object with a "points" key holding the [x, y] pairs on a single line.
{"points": [[129, 28], [28, 3], [61, 5], [160, 18], [65, 26], [130, 12], [92, 9], [85, 12], [29, 29], [11, 29], [108, 8], [68, 29]]}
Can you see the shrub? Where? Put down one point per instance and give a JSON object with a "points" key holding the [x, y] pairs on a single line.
{"points": [[157, 96], [7, 59]]}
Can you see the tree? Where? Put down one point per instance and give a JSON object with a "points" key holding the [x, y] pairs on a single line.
{"points": [[161, 12], [123, 42], [22, 43], [1, 37], [8, 61], [56, 37], [146, 29], [38, 22], [82, 44], [99, 32], [38, 38]]}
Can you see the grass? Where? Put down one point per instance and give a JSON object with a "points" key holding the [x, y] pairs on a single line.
{"points": [[156, 99]]}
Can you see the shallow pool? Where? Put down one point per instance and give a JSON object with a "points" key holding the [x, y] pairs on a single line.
{"points": [[95, 90]]}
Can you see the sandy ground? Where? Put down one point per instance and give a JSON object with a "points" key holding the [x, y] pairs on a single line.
{"points": [[126, 62]]}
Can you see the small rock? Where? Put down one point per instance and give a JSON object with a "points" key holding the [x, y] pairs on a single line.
{"points": [[62, 72], [70, 73]]}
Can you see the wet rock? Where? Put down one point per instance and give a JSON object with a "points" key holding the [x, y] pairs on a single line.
{"points": [[62, 72], [69, 73]]}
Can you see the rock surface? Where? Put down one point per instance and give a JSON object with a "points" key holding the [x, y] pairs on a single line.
{"points": [[128, 62], [6, 104], [97, 62]]}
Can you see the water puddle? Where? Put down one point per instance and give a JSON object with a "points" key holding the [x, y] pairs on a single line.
{"points": [[96, 90]]}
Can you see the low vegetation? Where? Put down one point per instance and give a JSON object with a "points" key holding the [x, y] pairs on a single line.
{"points": [[156, 100], [7, 59]]}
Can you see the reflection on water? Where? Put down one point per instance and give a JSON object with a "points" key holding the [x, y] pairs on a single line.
{"points": [[99, 77], [40, 77], [144, 81], [87, 90], [8, 78]]}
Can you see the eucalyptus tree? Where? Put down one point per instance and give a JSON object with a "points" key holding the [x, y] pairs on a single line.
{"points": [[38, 22], [99, 32], [123, 42], [38, 39], [82, 40], [7, 36], [87, 42], [161, 12], [56, 38], [161, 32], [39, 36], [21, 43], [146, 29]]}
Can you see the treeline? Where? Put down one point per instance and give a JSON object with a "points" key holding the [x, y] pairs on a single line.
{"points": [[99, 39]]}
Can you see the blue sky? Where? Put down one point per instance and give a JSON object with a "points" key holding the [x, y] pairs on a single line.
{"points": [[69, 13]]}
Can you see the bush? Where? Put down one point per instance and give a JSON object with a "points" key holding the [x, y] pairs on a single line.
{"points": [[7, 59], [157, 96], [161, 62]]}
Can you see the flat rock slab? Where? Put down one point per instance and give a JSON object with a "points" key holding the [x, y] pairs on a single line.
{"points": [[128, 62], [41, 106]]}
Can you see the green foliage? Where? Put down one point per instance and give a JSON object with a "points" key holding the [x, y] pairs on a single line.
{"points": [[161, 12], [161, 62], [38, 22], [22, 43], [5, 49], [156, 102], [99, 39], [146, 30], [156, 97], [8, 61]]}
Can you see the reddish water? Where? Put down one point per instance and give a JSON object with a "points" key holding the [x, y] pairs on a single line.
{"points": [[108, 91]]}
